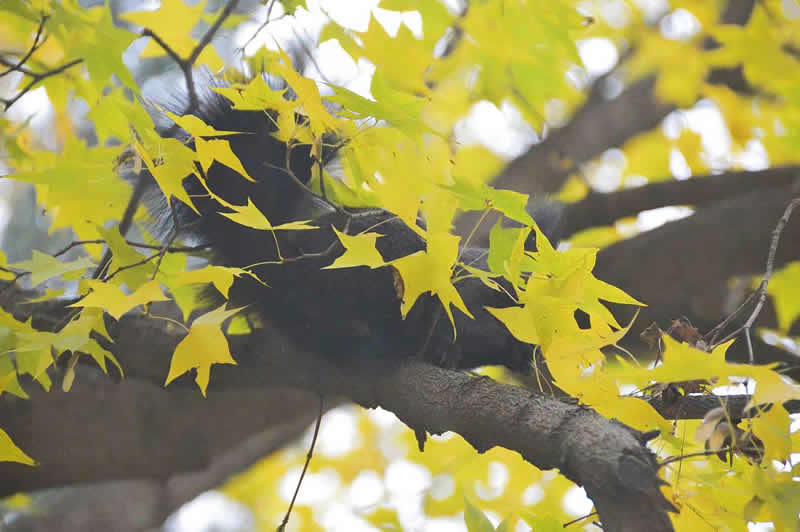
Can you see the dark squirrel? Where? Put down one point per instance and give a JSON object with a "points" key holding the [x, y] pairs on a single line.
{"points": [[342, 314]]}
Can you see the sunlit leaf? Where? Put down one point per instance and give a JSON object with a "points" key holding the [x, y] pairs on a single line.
{"points": [[204, 346]]}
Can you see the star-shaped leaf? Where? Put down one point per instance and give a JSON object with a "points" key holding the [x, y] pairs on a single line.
{"points": [[116, 302], [203, 346]]}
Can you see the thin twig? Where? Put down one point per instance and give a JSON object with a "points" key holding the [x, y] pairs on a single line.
{"points": [[132, 265], [260, 28], [310, 453], [578, 519], [698, 454], [18, 67], [187, 64], [714, 333], [176, 229], [762, 288], [124, 224], [38, 78]]}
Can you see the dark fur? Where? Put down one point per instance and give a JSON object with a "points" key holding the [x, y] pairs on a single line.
{"points": [[344, 314]]}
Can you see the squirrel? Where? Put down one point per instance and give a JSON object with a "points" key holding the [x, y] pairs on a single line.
{"points": [[344, 314]]}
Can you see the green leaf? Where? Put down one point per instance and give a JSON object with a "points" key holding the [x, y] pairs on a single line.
{"points": [[475, 520], [43, 266]]}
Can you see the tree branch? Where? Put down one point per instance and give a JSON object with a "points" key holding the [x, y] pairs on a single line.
{"points": [[605, 457], [598, 209], [603, 123]]}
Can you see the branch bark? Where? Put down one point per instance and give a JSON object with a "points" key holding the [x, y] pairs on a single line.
{"points": [[598, 209], [603, 123], [607, 458]]}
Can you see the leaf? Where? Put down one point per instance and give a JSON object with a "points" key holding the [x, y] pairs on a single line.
{"points": [[93, 36], [251, 216], [400, 109], [43, 266], [475, 520], [220, 276], [382, 49], [430, 271], [196, 127], [506, 252], [683, 363], [784, 288], [123, 254], [176, 162], [77, 203], [542, 522], [359, 251], [772, 428], [113, 300], [9, 383], [203, 346], [308, 96], [9, 452], [256, 96], [218, 150], [474, 196]]}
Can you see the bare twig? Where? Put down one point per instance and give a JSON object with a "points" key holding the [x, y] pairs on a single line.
{"points": [[762, 288], [693, 455], [579, 519], [37, 78], [310, 453], [260, 28], [124, 224], [18, 67], [132, 265], [187, 64], [176, 229]]}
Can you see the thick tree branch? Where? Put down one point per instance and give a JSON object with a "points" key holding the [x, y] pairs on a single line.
{"points": [[603, 209], [605, 457], [696, 406], [102, 431], [603, 123]]}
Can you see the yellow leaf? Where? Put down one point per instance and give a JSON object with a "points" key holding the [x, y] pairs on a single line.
{"points": [[518, 321], [203, 346], [308, 96], [772, 428], [251, 216], [9, 452], [784, 288], [257, 95], [359, 251], [116, 302], [683, 362], [177, 164], [196, 127], [220, 276], [218, 150], [431, 271]]}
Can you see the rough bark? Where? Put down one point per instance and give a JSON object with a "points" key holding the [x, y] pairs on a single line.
{"points": [[607, 458], [598, 209]]}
